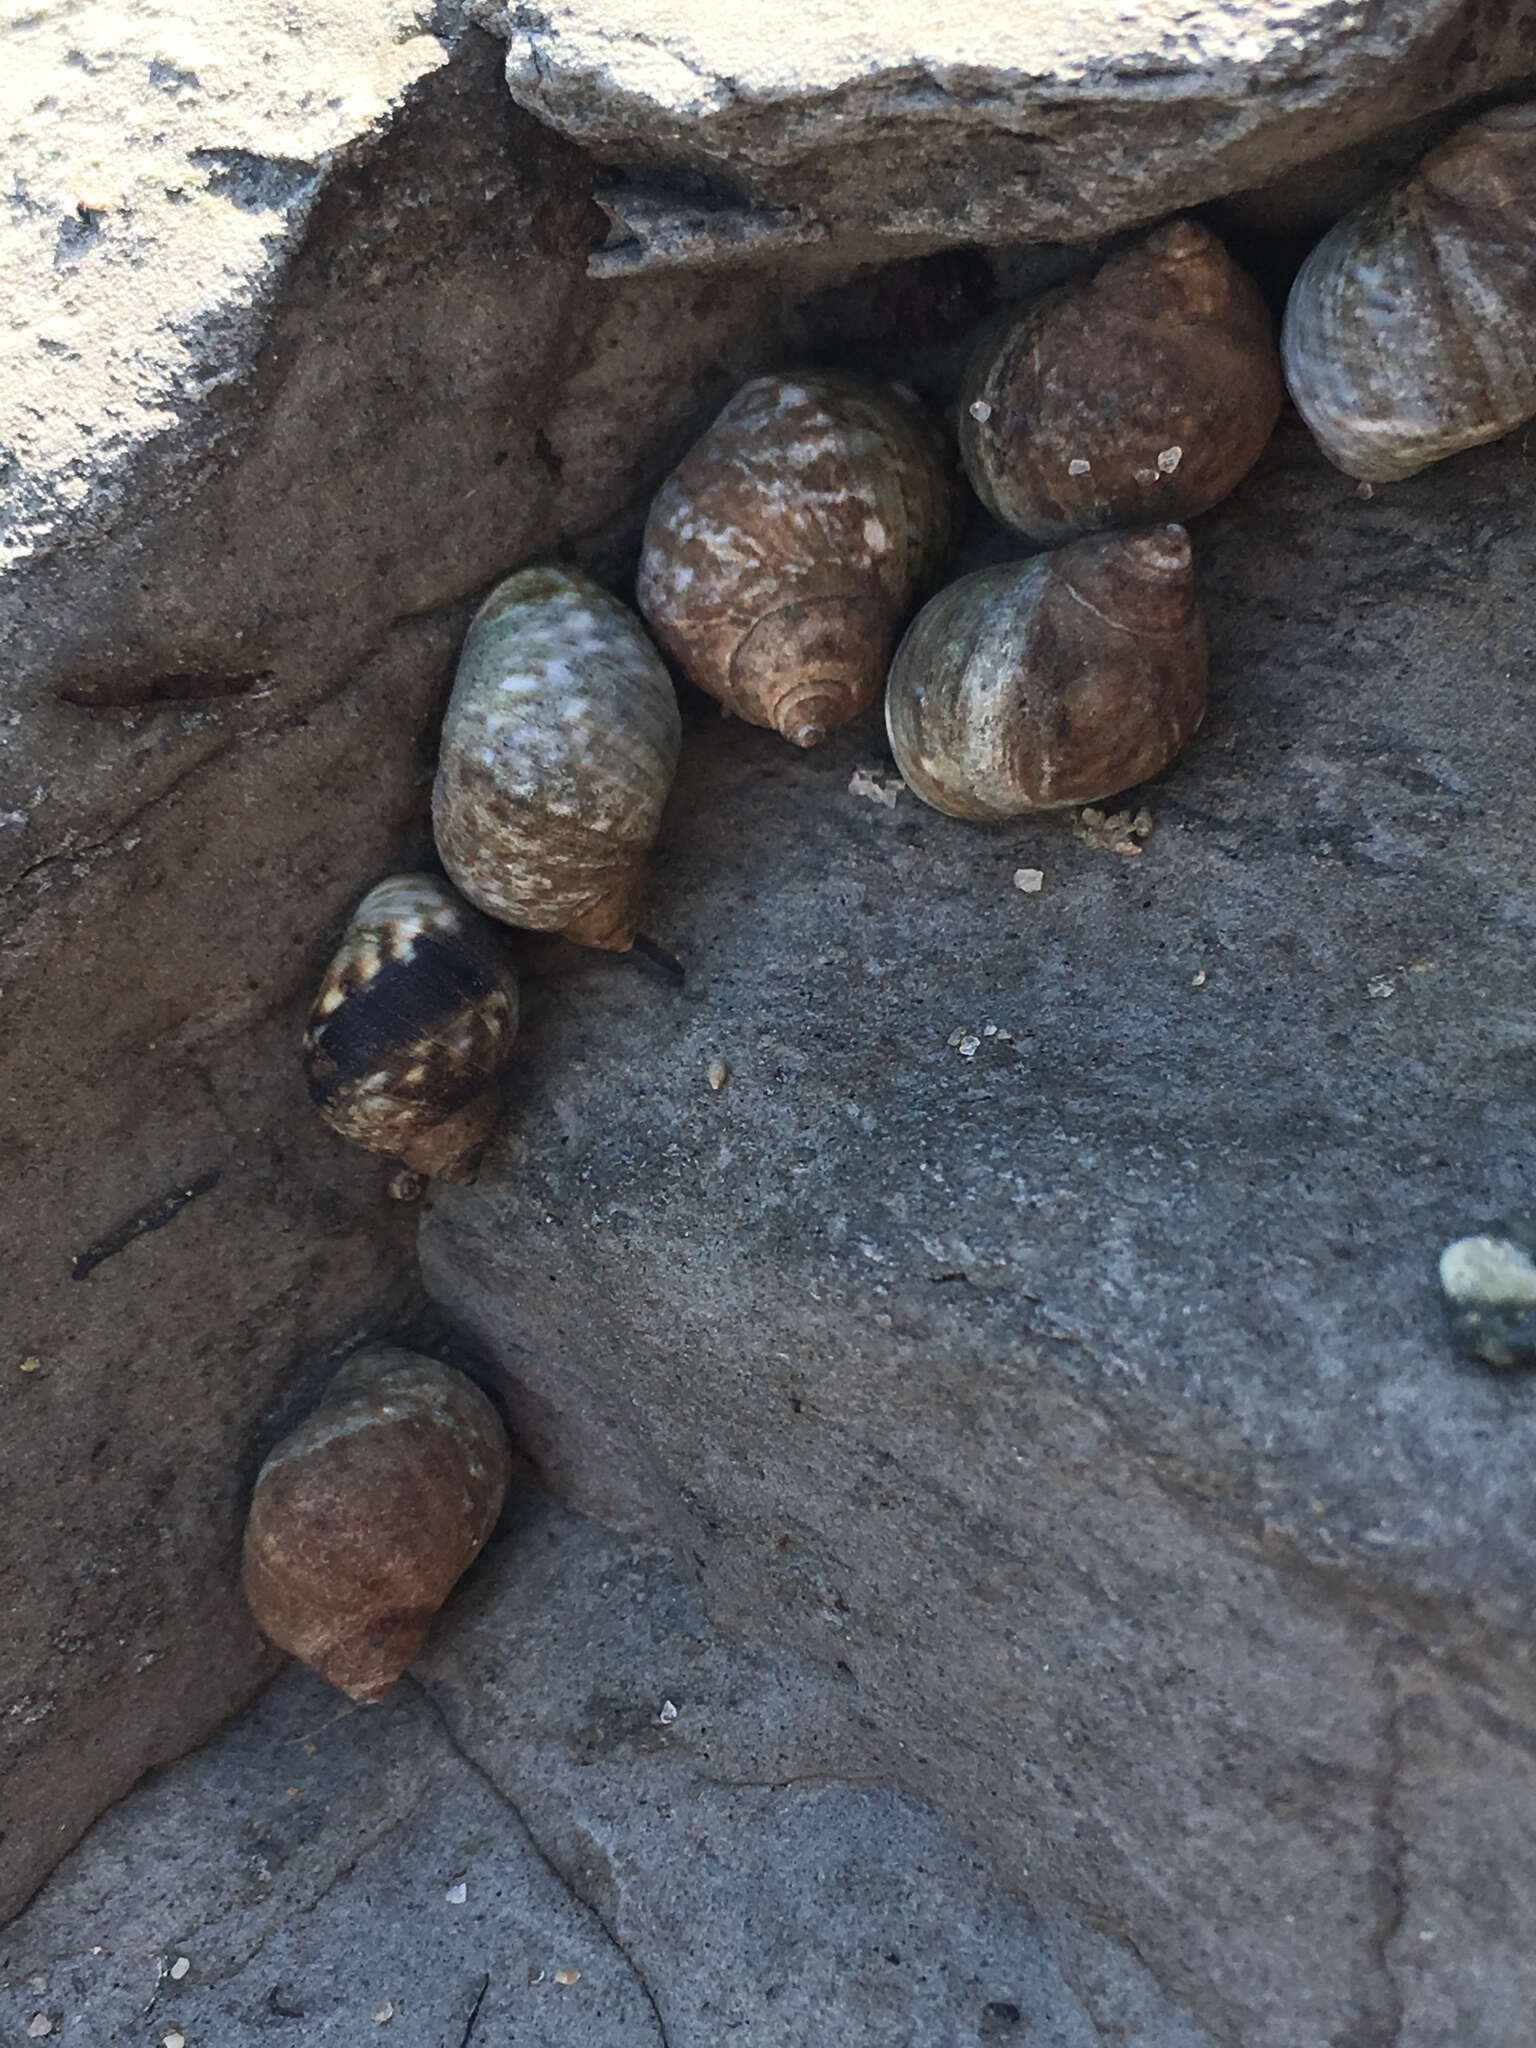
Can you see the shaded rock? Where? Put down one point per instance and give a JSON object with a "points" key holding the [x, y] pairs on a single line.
{"points": [[229, 631], [1042, 1324], [527, 1815], [984, 122]]}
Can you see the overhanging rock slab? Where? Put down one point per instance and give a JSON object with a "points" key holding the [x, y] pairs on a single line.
{"points": [[995, 120], [1086, 1399]]}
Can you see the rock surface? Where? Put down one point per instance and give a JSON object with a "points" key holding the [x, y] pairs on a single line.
{"points": [[224, 674], [582, 1777], [1041, 1325], [988, 121]]}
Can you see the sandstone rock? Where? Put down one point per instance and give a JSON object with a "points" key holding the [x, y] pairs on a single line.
{"points": [[1042, 1323], [990, 121]]}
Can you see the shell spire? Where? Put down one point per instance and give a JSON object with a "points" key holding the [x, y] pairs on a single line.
{"points": [[366, 1515], [412, 1026], [559, 747], [1410, 331], [783, 554], [1051, 682], [1143, 393]]}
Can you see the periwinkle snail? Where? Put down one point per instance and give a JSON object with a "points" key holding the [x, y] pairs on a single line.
{"points": [[1410, 331], [1053, 681], [558, 751], [365, 1517], [783, 554], [1143, 393], [412, 1026]]}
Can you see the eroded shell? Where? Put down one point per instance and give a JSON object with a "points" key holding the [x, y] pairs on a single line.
{"points": [[559, 748], [1050, 682], [413, 1024], [365, 1517], [1410, 331], [784, 553], [1144, 393]]}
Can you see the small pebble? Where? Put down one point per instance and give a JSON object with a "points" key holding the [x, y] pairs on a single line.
{"points": [[1170, 459], [385, 2013], [38, 2026], [173, 2039], [567, 1976], [1489, 1283], [456, 1894], [717, 1074], [30, 1364], [179, 1968], [37, 1986], [989, 1031], [535, 1974], [667, 1715], [1197, 980], [969, 1047], [1030, 880], [879, 789], [1380, 986], [980, 410], [1078, 466]]}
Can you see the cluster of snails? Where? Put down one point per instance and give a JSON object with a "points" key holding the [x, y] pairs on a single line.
{"points": [[780, 562]]}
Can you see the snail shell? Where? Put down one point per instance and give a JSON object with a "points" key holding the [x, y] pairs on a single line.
{"points": [[414, 1021], [1410, 332], [1144, 393], [783, 554], [365, 1517], [559, 748], [1054, 681]]}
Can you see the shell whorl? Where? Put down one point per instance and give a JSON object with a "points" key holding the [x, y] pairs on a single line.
{"points": [[411, 1027], [1051, 682], [782, 555], [1410, 331], [1144, 393], [365, 1516], [559, 748]]}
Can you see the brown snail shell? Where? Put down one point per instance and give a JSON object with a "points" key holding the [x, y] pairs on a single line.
{"points": [[559, 748], [783, 554], [1145, 393], [1050, 682], [364, 1517], [411, 1028], [1410, 331]]}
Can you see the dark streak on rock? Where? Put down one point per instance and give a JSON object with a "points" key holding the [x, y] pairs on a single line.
{"points": [[154, 1217]]}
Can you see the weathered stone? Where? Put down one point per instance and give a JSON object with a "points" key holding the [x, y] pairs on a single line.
{"points": [[1041, 1324], [229, 631], [983, 122], [581, 1775]]}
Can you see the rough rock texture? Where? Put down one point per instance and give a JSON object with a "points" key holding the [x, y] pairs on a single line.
{"points": [[1080, 1387], [619, 1792], [995, 120], [223, 678]]}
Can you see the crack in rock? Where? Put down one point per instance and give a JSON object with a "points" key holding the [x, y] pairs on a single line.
{"points": [[505, 1799]]}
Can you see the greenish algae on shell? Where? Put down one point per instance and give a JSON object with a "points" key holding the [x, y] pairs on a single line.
{"points": [[1410, 331], [1050, 682], [559, 747]]}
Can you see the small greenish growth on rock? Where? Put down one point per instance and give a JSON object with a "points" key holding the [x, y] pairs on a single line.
{"points": [[1490, 1293]]}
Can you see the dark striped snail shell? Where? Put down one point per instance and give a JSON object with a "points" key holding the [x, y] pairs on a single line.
{"points": [[412, 1026], [1410, 331], [366, 1515], [559, 748], [783, 554], [1050, 682], [1143, 393]]}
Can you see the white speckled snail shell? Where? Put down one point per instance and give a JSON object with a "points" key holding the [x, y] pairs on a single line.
{"points": [[367, 1514], [559, 748], [1050, 682], [784, 552], [1144, 393], [1410, 331], [412, 1026]]}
